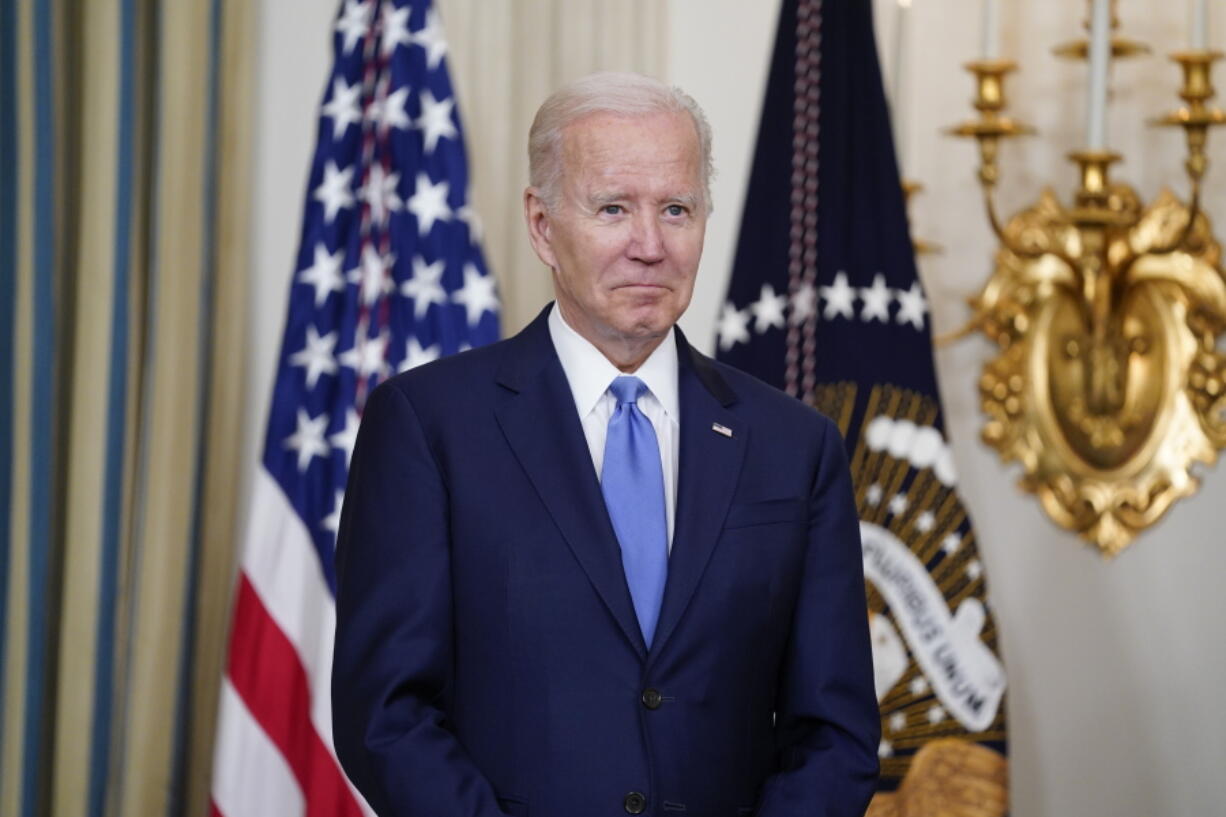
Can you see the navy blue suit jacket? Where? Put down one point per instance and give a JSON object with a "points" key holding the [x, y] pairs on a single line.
{"points": [[488, 660]]}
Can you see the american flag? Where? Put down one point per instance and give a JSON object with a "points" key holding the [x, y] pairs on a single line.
{"points": [[389, 275]]}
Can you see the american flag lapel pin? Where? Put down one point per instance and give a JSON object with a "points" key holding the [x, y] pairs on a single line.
{"points": [[721, 429]]}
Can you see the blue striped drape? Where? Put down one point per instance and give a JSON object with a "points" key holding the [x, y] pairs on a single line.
{"points": [[122, 275]]}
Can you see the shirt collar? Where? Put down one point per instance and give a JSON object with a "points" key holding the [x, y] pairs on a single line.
{"points": [[589, 372]]}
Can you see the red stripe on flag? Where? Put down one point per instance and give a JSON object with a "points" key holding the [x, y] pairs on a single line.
{"points": [[213, 810], [269, 677]]}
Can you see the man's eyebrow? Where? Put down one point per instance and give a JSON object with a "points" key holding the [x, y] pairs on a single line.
{"points": [[601, 198], [688, 199]]}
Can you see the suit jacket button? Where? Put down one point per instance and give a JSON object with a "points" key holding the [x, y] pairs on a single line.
{"points": [[651, 698], [634, 803]]}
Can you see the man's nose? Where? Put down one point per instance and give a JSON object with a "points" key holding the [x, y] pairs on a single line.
{"points": [[646, 239]]}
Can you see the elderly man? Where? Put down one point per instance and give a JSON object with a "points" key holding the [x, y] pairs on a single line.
{"points": [[589, 571]]}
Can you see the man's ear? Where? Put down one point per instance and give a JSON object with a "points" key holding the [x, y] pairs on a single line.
{"points": [[536, 214]]}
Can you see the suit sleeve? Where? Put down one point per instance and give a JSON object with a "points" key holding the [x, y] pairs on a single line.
{"points": [[393, 655], [827, 723]]}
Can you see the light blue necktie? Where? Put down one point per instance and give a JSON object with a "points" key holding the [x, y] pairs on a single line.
{"points": [[632, 481]]}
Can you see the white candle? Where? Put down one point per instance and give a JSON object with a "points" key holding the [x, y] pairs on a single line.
{"points": [[898, 95], [1100, 60], [1198, 23], [989, 34]]}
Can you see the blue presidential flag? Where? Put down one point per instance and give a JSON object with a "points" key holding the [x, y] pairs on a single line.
{"points": [[825, 303]]}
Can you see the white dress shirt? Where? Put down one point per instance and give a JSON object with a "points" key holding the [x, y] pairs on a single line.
{"points": [[590, 373]]}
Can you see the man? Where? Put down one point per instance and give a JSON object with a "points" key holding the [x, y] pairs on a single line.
{"points": [[588, 571]]}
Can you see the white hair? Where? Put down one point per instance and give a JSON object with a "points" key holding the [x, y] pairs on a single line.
{"points": [[619, 93]]}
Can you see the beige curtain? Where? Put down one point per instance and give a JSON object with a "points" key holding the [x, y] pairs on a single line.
{"points": [[506, 57]]}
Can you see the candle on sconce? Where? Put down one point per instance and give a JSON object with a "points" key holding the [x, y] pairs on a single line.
{"points": [[1100, 60], [1198, 24], [989, 35], [898, 94]]}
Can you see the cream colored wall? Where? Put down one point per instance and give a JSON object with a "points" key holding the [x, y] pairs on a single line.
{"points": [[719, 53], [1115, 667]]}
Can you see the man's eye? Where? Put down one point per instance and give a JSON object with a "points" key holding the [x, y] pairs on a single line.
{"points": [[611, 209], [675, 210]]}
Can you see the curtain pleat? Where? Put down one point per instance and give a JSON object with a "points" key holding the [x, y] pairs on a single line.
{"points": [[88, 382], [17, 615], [215, 563]]}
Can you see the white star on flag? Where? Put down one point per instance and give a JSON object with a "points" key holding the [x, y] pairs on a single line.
{"points": [[885, 748], [873, 495], [936, 714], [804, 303], [911, 306], [368, 356], [389, 112], [334, 191], [429, 203], [395, 28], [308, 439], [425, 286], [768, 309], [379, 191], [898, 505], [414, 355], [951, 543], [477, 295], [876, 300], [431, 39], [324, 274], [347, 437], [435, 120], [372, 275], [898, 722], [733, 327], [316, 356], [354, 22], [926, 522], [344, 107], [332, 522], [839, 297], [974, 570], [919, 686]]}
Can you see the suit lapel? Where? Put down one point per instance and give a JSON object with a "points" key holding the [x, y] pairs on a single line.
{"points": [[539, 421], [709, 468]]}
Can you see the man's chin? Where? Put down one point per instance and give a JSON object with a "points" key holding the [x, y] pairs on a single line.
{"points": [[648, 326]]}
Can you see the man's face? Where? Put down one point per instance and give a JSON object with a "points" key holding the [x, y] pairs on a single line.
{"points": [[626, 235]]}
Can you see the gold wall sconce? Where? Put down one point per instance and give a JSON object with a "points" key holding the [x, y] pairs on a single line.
{"points": [[1110, 380]]}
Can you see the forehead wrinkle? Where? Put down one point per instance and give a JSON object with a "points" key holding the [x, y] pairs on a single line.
{"points": [[596, 168]]}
